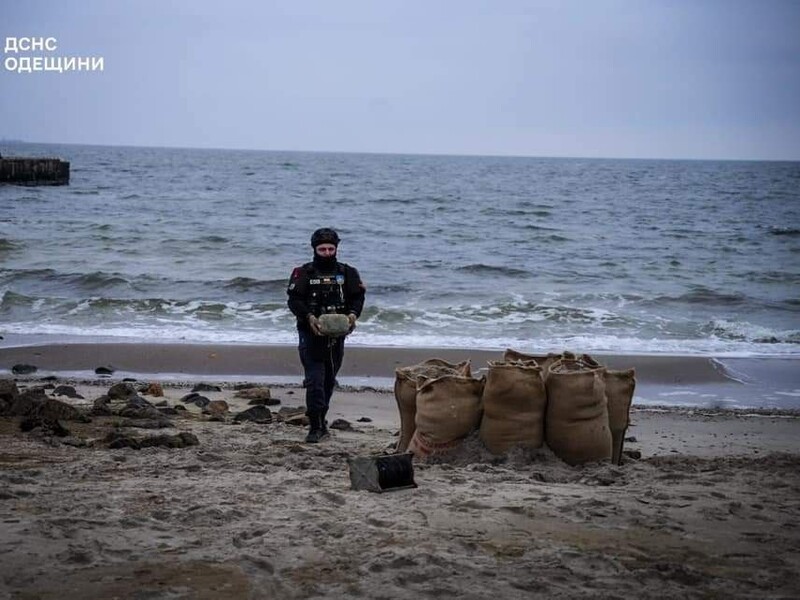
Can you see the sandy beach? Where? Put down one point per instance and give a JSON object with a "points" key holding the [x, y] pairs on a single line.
{"points": [[706, 505]]}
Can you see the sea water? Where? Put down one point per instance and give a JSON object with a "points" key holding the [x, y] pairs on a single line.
{"points": [[539, 254]]}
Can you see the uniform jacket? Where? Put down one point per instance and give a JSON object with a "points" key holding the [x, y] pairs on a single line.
{"points": [[314, 292]]}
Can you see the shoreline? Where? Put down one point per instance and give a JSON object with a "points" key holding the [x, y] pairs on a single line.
{"points": [[724, 382], [202, 358]]}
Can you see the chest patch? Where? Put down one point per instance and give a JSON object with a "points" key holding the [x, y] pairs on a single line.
{"points": [[327, 280]]}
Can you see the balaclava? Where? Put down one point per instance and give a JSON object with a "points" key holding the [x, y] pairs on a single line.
{"points": [[324, 236]]}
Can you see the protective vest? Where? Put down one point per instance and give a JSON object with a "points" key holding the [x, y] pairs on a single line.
{"points": [[326, 291]]}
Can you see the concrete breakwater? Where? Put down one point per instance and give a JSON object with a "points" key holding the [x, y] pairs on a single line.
{"points": [[34, 171]]}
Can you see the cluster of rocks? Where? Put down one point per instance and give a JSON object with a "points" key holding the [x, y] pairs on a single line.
{"points": [[126, 401], [43, 414], [35, 403]]}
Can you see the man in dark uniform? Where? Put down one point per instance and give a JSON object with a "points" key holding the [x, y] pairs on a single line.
{"points": [[322, 286]]}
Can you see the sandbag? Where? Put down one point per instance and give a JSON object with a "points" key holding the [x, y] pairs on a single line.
{"points": [[448, 409], [514, 401], [620, 386], [405, 391], [542, 360], [576, 420]]}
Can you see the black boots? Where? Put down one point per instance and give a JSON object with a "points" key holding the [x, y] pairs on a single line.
{"points": [[317, 429]]}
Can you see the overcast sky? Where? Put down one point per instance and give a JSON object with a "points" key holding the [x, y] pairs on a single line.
{"points": [[593, 78]]}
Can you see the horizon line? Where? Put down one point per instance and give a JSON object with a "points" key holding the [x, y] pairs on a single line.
{"points": [[388, 153]]}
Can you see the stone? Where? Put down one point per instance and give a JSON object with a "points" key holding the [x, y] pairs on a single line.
{"points": [[47, 426], [8, 389], [206, 387], [299, 419], [334, 325], [254, 393], [107, 370], [121, 391], [201, 401], [342, 425], [216, 408], [137, 401], [264, 402], [116, 440], [364, 420], [153, 389], [68, 391], [169, 410], [137, 407], [25, 402], [23, 369], [101, 407], [257, 414], [196, 399], [184, 439], [133, 411], [8, 393], [36, 403]]}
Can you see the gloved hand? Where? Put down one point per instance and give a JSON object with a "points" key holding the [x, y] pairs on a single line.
{"points": [[352, 319], [313, 322]]}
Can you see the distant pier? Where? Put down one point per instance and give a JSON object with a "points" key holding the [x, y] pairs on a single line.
{"points": [[34, 171]]}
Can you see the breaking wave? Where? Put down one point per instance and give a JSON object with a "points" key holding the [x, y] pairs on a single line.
{"points": [[483, 269]]}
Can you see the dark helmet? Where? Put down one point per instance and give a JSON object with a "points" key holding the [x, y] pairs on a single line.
{"points": [[325, 235]]}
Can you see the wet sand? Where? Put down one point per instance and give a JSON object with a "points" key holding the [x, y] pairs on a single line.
{"points": [[661, 379], [361, 361], [711, 509]]}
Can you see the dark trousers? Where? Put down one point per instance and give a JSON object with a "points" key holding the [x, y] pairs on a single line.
{"points": [[321, 358]]}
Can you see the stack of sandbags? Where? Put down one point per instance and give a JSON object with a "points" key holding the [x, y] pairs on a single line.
{"points": [[448, 410], [405, 391], [576, 422], [572, 402], [620, 386], [514, 401]]}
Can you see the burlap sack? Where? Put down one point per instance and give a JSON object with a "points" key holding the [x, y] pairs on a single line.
{"points": [[589, 361], [620, 386], [576, 420], [405, 391], [514, 401], [542, 360], [448, 409]]}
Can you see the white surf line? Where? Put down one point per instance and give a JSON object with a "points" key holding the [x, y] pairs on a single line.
{"points": [[729, 372]]}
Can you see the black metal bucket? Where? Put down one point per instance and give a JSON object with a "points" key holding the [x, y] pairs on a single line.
{"points": [[382, 473]]}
